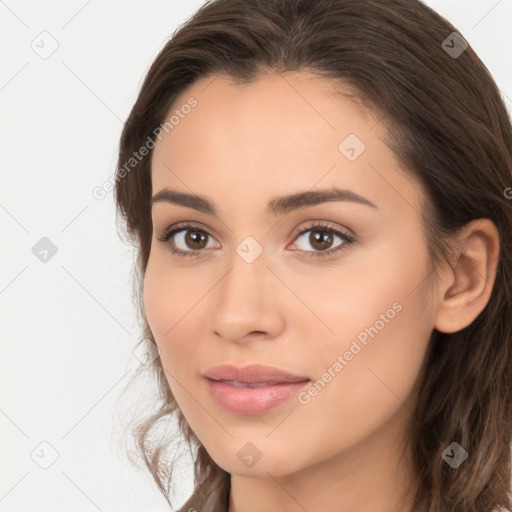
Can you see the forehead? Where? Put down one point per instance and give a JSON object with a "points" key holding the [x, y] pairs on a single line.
{"points": [[277, 109], [277, 133]]}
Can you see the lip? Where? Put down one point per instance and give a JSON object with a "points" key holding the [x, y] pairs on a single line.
{"points": [[253, 373], [271, 387]]}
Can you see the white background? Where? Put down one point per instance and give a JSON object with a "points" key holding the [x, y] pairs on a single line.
{"points": [[69, 326]]}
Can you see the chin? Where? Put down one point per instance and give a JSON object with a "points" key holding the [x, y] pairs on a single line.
{"points": [[265, 466]]}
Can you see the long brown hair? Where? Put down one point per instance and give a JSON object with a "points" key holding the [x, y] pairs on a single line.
{"points": [[447, 124]]}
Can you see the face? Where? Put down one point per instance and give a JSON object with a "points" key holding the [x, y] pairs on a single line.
{"points": [[334, 291]]}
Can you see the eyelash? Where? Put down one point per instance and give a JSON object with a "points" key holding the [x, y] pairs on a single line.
{"points": [[347, 239]]}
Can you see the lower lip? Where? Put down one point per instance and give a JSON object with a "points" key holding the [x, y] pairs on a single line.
{"points": [[251, 401]]}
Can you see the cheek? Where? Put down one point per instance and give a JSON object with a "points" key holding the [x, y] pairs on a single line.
{"points": [[382, 321], [371, 387], [374, 381], [163, 305], [171, 304], [156, 302], [165, 296]]}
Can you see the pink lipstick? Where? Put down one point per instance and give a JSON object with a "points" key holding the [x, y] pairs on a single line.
{"points": [[252, 389]]}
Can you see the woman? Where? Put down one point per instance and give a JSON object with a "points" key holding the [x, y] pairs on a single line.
{"points": [[320, 197]]}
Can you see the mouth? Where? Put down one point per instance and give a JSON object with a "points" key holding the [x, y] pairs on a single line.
{"points": [[253, 389], [238, 384], [252, 374]]}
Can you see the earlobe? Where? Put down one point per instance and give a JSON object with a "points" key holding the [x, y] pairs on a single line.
{"points": [[465, 288]]}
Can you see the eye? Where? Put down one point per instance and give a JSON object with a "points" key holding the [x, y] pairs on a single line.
{"points": [[321, 238], [188, 237], [190, 240]]}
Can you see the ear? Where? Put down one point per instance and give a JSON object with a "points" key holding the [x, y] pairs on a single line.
{"points": [[465, 288]]}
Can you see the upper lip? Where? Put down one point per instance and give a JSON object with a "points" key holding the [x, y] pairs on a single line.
{"points": [[252, 373]]}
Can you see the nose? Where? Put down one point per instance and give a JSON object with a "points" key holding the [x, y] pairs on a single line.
{"points": [[247, 302]]}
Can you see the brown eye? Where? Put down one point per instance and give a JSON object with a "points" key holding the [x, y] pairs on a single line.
{"points": [[186, 240], [321, 238], [195, 239]]}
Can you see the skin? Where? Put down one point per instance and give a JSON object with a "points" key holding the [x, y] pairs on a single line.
{"points": [[241, 146]]}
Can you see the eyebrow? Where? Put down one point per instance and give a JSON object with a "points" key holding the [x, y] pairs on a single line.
{"points": [[276, 206]]}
